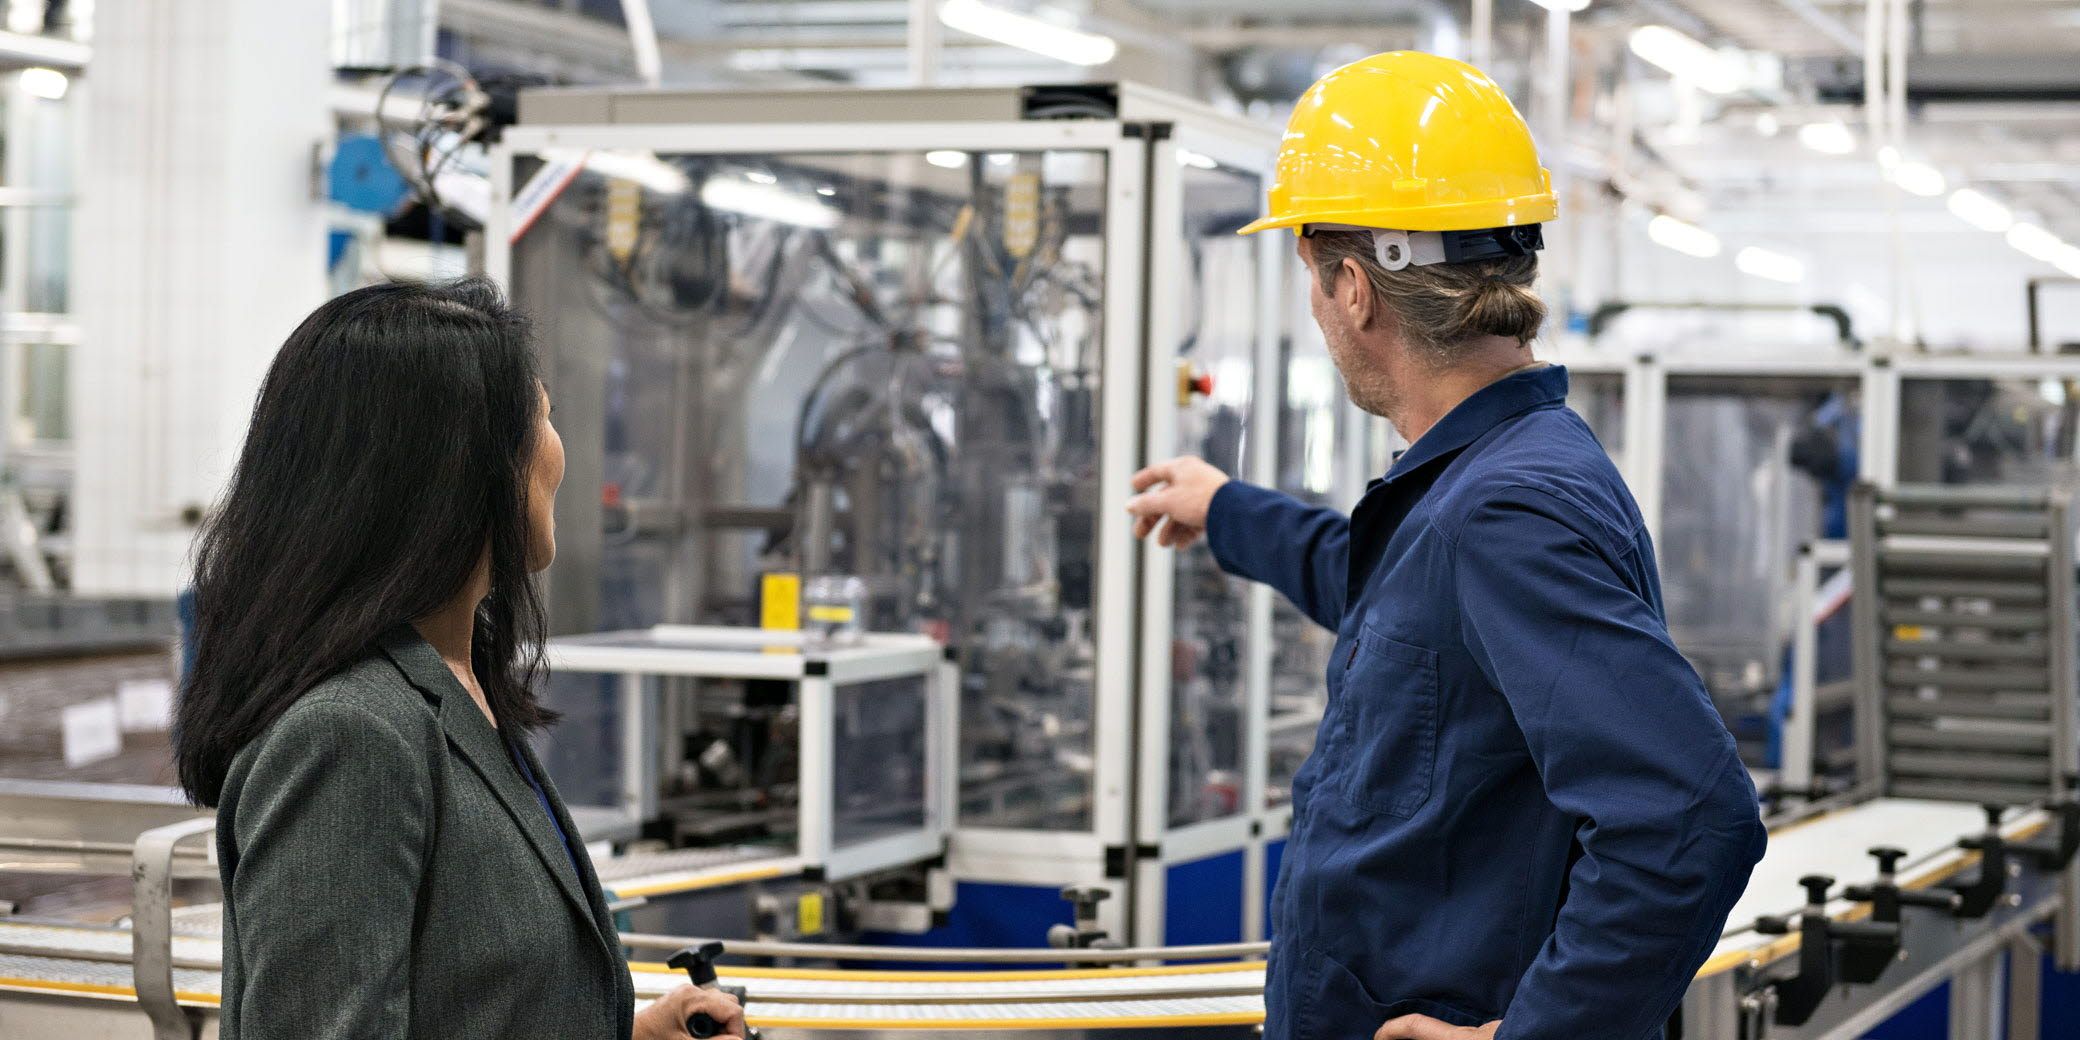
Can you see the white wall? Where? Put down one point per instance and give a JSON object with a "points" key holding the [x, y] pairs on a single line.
{"points": [[199, 246]]}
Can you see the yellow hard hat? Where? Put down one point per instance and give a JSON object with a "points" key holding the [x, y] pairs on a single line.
{"points": [[1410, 142]]}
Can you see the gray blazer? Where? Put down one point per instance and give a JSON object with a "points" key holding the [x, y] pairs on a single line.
{"points": [[388, 873]]}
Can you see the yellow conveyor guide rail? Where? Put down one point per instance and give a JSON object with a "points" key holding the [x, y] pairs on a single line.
{"points": [[94, 963]]}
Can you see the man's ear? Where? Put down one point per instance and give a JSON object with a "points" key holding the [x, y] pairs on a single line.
{"points": [[1354, 294]]}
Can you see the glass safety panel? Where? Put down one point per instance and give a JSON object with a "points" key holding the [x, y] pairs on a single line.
{"points": [[1987, 431], [1216, 371], [1312, 436], [879, 760], [873, 364], [1753, 468]]}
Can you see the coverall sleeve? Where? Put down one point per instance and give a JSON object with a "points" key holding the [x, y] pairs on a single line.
{"points": [[1626, 740], [330, 853], [1302, 551]]}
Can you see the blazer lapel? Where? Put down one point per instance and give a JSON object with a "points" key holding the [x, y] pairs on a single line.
{"points": [[588, 880], [471, 734]]}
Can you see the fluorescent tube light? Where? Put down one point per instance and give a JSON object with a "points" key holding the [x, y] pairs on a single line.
{"points": [[1919, 178], [644, 168], [49, 84], [1979, 211], [2034, 242], [767, 202], [1770, 264], [1829, 138], [1028, 33], [1688, 239], [1685, 59]]}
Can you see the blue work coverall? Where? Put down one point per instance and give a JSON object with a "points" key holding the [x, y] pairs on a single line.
{"points": [[1521, 803]]}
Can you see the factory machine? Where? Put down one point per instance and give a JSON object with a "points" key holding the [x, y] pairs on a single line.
{"points": [[913, 345]]}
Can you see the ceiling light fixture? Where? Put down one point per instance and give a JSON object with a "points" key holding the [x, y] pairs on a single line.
{"points": [[2034, 242], [767, 202], [1919, 178], [1570, 6], [49, 84], [1829, 138], [1028, 33], [1685, 238], [1770, 264], [1685, 59], [1979, 211]]}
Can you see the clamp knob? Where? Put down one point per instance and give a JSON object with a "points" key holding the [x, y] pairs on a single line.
{"points": [[1993, 811], [698, 962], [1816, 886], [1085, 900], [1888, 859]]}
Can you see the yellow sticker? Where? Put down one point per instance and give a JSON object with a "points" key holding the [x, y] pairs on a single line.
{"points": [[624, 218], [780, 602], [808, 912], [830, 614]]}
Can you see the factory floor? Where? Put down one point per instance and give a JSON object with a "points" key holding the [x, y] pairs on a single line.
{"points": [[34, 696]]}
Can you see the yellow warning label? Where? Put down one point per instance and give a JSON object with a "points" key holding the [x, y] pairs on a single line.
{"points": [[808, 914], [830, 614], [624, 218], [780, 602]]}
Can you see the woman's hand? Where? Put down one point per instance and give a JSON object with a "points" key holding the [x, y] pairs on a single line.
{"points": [[1423, 1027], [666, 1018]]}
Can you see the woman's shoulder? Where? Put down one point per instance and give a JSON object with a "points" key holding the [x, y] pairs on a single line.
{"points": [[372, 686], [368, 706]]}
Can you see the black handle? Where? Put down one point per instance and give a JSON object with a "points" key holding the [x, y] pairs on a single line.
{"points": [[1888, 859], [1993, 815], [1816, 886]]}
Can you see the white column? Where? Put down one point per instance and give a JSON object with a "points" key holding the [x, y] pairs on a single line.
{"points": [[200, 244]]}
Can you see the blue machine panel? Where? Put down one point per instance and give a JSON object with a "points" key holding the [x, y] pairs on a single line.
{"points": [[991, 915], [1203, 901]]}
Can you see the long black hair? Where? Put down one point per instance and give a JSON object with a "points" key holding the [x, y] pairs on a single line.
{"points": [[389, 450]]}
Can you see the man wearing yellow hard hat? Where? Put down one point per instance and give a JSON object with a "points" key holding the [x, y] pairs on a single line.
{"points": [[1523, 817]]}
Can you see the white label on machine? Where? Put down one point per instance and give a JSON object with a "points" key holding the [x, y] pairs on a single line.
{"points": [[147, 705], [542, 190], [93, 731]]}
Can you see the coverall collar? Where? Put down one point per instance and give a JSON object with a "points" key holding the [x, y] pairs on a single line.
{"points": [[1487, 408]]}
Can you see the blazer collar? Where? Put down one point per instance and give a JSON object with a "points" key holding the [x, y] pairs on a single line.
{"points": [[1487, 408], [471, 734]]}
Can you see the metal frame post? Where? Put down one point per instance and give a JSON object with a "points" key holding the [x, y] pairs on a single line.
{"points": [[2025, 987], [1646, 425], [1795, 763], [816, 827], [2065, 701], [638, 755], [1870, 631], [1975, 998]]}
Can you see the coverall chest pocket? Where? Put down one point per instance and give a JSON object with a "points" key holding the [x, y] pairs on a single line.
{"points": [[1390, 694]]}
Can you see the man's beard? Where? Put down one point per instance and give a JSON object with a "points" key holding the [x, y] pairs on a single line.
{"points": [[1369, 389]]}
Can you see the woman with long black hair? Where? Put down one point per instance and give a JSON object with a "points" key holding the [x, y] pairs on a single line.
{"points": [[395, 862]]}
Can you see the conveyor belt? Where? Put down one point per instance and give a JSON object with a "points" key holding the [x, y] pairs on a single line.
{"points": [[1836, 844], [652, 874], [93, 962]]}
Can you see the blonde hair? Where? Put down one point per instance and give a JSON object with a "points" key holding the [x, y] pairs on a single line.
{"points": [[1439, 308]]}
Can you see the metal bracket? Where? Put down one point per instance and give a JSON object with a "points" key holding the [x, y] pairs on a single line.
{"points": [[151, 928]]}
